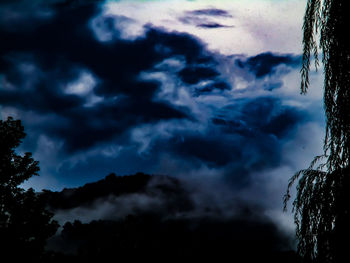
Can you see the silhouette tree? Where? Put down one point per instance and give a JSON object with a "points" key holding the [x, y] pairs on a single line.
{"points": [[24, 223], [321, 211]]}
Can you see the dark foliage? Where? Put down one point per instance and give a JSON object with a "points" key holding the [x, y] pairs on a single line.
{"points": [[117, 186], [321, 212], [84, 195], [25, 224], [171, 232], [150, 237]]}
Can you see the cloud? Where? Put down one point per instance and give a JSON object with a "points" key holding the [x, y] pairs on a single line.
{"points": [[213, 87], [250, 27], [211, 25], [243, 138], [239, 141], [193, 75], [18, 13], [96, 100], [102, 92], [210, 12], [110, 91], [113, 27], [201, 22], [118, 98], [203, 18], [266, 63]]}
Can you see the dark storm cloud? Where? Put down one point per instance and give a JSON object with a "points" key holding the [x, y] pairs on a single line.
{"points": [[210, 12], [212, 87], [17, 12], [95, 95], [23, 15], [195, 74], [242, 138], [264, 115], [29, 88], [40, 65], [212, 151], [273, 85], [57, 51], [203, 18], [211, 25], [266, 63], [103, 122]]}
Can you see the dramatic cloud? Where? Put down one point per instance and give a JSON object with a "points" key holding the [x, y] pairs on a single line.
{"points": [[54, 56], [211, 25], [17, 14], [109, 87], [266, 63], [248, 27], [203, 18], [210, 12], [193, 75]]}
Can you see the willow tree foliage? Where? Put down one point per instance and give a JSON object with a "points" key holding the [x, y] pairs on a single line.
{"points": [[321, 207]]}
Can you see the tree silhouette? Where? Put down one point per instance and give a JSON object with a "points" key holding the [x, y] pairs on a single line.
{"points": [[321, 211], [24, 223]]}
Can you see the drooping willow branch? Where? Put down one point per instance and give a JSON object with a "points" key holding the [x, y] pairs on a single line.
{"points": [[316, 207]]}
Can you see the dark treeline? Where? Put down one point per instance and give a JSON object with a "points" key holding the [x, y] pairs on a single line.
{"points": [[166, 232], [112, 184], [150, 237]]}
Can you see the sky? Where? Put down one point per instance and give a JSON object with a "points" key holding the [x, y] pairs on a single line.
{"points": [[205, 91]]}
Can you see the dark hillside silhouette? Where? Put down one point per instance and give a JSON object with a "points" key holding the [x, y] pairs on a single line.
{"points": [[165, 187], [173, 230], [112, 184]]}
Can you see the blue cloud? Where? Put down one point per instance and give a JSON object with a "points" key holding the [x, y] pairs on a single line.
{"points": [[65, 46], [234, 136], [211, 25], [266, 63], [201, 18], [210, 12], [195, 74], [219, 85]]}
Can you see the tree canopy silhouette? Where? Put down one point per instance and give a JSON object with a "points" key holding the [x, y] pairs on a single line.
{"points": [[321, 211], [25, 224]]}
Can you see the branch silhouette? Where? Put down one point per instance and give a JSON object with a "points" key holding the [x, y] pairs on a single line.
{"points": [[320, 211], [25, 224]]}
